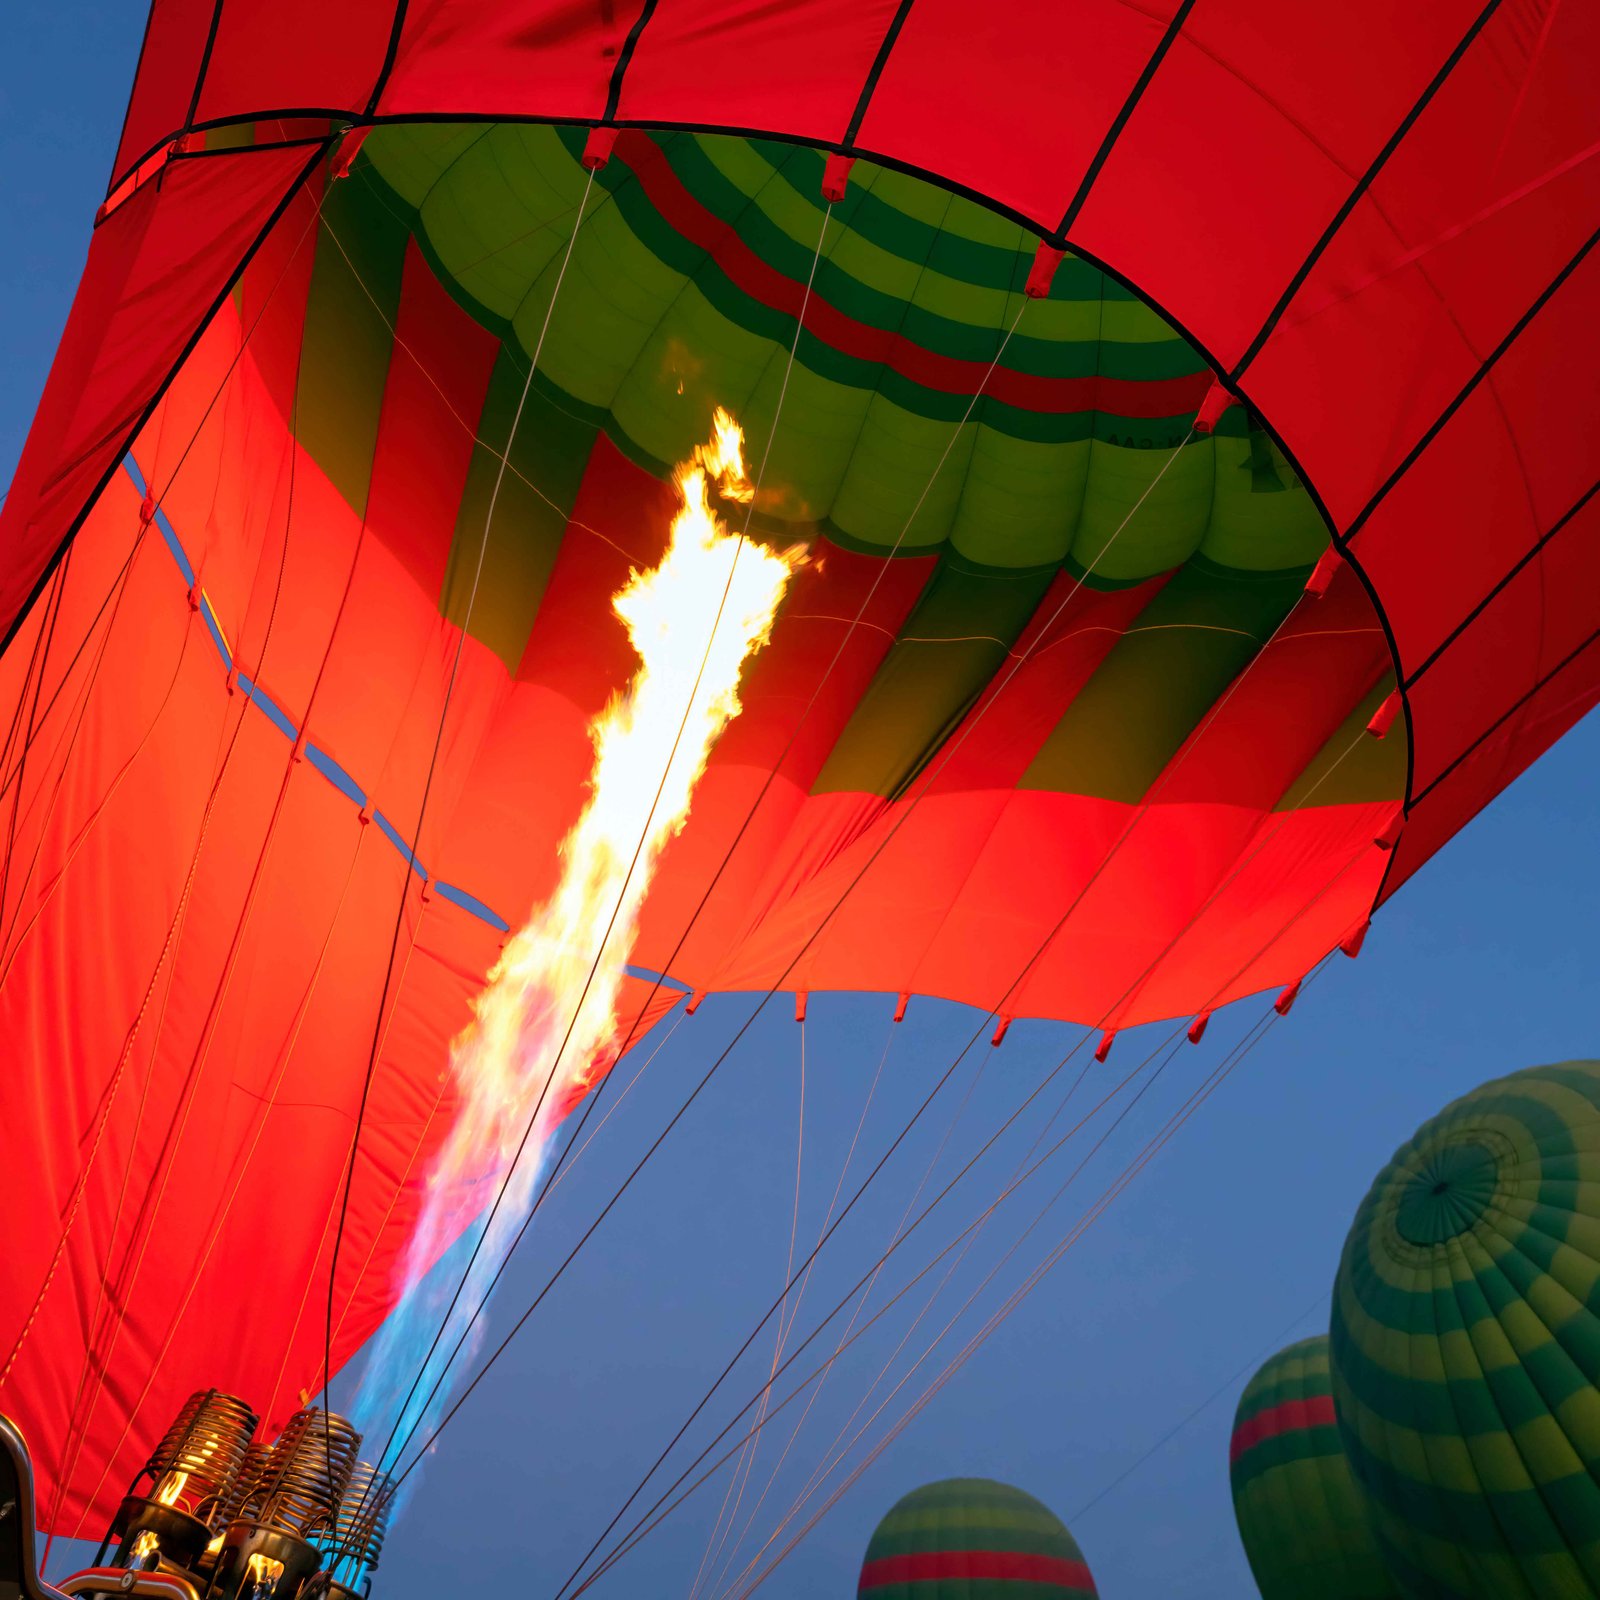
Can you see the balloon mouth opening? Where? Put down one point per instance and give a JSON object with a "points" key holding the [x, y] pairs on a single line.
{"points": [[1447, 1194]]}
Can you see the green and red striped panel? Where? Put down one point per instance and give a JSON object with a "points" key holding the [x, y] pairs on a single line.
{"points": [[435, 267], [1302, 1517], [973, 1539], [1466, 1344], [683, 291]]}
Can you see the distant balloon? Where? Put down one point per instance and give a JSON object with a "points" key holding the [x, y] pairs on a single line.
{"points": [[1302, 1517], [1465, 1344], [976, 1539]]}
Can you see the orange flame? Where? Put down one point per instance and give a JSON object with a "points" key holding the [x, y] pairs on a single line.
{"points": [[171, 1487], [694, 620]]}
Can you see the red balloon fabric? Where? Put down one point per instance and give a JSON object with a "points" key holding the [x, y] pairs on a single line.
{"points": [[1376, 226]]}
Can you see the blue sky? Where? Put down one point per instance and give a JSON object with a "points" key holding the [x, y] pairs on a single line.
{"points": [[1482, 965]]}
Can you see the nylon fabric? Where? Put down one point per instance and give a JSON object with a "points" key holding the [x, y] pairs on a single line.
{"points": [[1302, 1516], [1381, 227], [1464, 1347], [973, 1539]]}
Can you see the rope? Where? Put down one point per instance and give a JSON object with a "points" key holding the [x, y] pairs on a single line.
{"points": [[833, 1202], [594, 965], [652, 1519], [1172, 1038], [1020, 1294], [883, 1372], [1197, 1098], [427, 789], [167, 1158], [116, 589], [1261, 841], [741, 1474], [1275, 1343], [38, 659]]}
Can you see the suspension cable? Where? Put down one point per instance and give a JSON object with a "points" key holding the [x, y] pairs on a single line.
{"points": [[1171, 1038], [114, 589], [1011, 1303], [550, 1076], [661, 1510], [1216, 1394], [113, 1322], [427, 789]]}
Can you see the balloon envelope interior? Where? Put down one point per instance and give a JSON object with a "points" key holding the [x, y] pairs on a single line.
{"points": [[1040, 727]]}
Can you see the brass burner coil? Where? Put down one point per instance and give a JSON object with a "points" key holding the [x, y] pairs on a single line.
{"points": [[206, 1443], [230, 1505], [302, 1478], [362, 1519]]}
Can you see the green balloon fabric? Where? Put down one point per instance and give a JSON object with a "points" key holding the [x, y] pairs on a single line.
{"points": [[973, 1539], [1465, 1344], [1301, 1514]]}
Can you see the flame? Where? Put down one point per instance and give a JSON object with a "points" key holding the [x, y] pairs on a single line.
{"points": [[171, 1487], [694, 620], [262, 1573], [501, 1062], [145, 1545]]}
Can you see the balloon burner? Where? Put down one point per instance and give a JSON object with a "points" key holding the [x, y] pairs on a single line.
{"points": [[219, 1514]]}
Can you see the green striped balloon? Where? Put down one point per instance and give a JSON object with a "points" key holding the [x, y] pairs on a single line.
{"points": [[973, 1539], [1466, 1344], [1302, 1517]]}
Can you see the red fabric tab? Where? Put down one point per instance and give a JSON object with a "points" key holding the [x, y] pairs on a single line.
{"points": [[349, 149], [1043, 271], [1197, 1028], [1352, 942], [1285, 1001], [598, 146], [1103, 1049], [1000, 1032], [1322, 573], [900, 1008], [1383, 717], [800, 1005], [1216, 401], [836, 177]]}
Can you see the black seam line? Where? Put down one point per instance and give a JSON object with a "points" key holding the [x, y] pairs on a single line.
{"points": [[271, 146], [879, 62], [205, 64], [1511, 337], [1510, 711], [340, 114], [305, 142], [879, 158], [127, 115], [399, 119], [629, 45], [391, 52], [893, 163], [1375, 600], [132, 431], [1488, 599], [1342, 215], [1114, 132]]}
